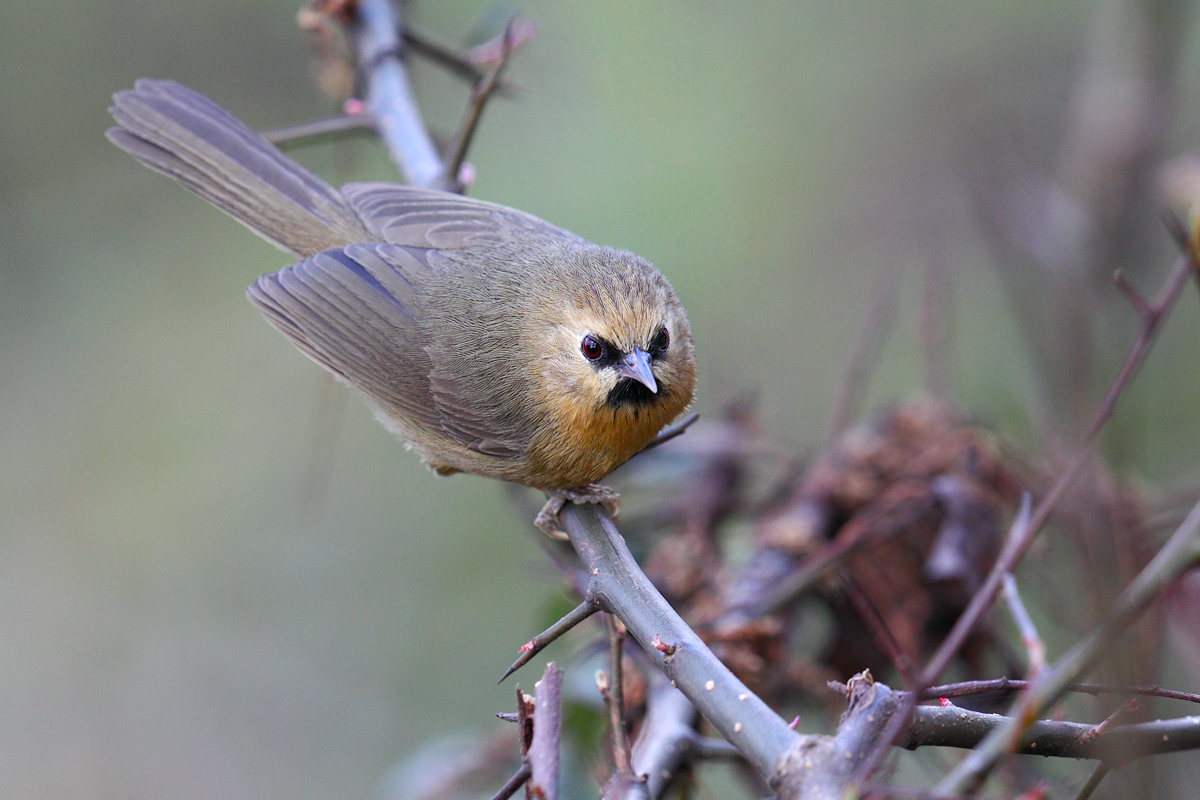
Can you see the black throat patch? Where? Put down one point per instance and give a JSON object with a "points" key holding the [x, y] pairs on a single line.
{"points": [[631, 393]]}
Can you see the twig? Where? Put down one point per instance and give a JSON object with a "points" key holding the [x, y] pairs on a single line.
{"points": [[1101, 728], [614, 696], [967, 688], [1093, 781], [1029, 635], [456, 152], [879, 630], [704, 748], [663, 746], [785, 590], [423, 44], [318, 129], [952, 726], [1181, 551], [1018, 545], [867, 343], [512, 784], [543, 757], [376, 32], [539, 642], [667, 743], [668, 433]]}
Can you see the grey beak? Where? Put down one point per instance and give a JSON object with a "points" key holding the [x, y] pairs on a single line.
{"points": [[636, 365]]}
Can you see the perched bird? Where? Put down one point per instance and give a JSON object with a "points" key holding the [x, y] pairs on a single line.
{"points": [[490, 341]]}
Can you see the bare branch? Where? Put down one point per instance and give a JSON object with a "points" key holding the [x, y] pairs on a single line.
{"points": [[515, 34], [512, 784], [1018, 545], [376, 31], [320, 129], [872, 335], [618, 584], [539, 642], [668, 433], [1007, 684], [879, 630], [543, 756], [664, 743], [423, 44], [1113, 719], [1029, 635], [614, 696], [1097, 775], [1180, 552], [951, 726], [825, 767]]}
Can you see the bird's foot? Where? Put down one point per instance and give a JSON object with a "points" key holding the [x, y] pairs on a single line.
{"points": [[556, 499]]}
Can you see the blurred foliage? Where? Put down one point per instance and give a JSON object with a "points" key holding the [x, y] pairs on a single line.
{"points": [[222, 579]]}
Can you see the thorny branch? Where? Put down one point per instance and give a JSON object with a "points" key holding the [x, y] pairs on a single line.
{"points": [[544, 752], [1180, 552], [620, 587], [1023, 535], [1019, 544], [967, 688], [668, 741], [376, 30], [515, 34]]}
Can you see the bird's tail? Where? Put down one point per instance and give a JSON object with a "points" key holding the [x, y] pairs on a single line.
{"points": [[181, 133]]}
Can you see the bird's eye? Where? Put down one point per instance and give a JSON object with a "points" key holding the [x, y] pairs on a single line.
{"points": [[662, 341], [591, 348]]}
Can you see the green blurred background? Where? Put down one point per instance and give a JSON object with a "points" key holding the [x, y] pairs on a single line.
{"points": [[220, 579]]}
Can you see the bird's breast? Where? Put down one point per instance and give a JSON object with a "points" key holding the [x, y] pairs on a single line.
{"points": [[581, 444]]}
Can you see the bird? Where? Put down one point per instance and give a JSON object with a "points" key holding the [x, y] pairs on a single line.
{"points": [[491, 342]]}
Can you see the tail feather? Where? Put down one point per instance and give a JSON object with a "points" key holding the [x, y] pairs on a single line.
{"points": [[184, 135]]}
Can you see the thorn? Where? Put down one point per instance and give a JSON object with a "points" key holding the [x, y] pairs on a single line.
{"points": [[538, 643], [671, 431], [1131, 294], [1114, 719]]}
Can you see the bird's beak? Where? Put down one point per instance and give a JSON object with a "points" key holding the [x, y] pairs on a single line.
{"points": [[636, 365]]}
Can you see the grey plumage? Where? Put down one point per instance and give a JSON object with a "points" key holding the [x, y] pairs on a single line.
{"points": [[453, 315]]}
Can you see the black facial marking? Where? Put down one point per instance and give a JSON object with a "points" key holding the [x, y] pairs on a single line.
{"points": [[632, 394]]}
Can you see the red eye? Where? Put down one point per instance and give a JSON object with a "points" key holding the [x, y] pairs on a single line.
{"points": [[591, 348], [662, 340]]}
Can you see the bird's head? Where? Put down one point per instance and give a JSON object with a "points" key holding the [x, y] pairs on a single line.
{"points": [[621, 350]]}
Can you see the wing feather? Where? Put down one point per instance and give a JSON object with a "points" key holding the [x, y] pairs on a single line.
{"points": [[429, 219], [355, 311], [358, 312]]}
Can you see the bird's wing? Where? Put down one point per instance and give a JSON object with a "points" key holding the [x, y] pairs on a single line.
{"points": [[355, 311], [429, 219], [480, 404]]}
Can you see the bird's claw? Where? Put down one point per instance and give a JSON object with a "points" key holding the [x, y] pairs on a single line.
{"points": [[547, 520]]}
